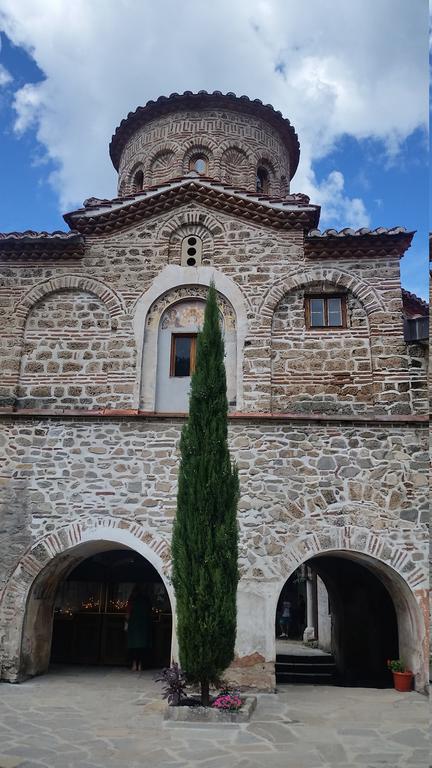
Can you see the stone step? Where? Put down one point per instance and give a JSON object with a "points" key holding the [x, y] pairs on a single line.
{"points": [[305, 678], [289, 658], [307, 668]]}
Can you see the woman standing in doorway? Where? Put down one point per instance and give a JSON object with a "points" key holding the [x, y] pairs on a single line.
{"points": [[139, 628]]}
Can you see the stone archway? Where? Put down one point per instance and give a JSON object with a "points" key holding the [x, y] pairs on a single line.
{"points": [[27, 599], [404, 578]]}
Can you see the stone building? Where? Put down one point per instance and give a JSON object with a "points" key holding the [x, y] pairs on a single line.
{"points": [[328, 400]]}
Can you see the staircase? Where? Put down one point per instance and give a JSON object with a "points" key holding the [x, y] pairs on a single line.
{"points": [[304, 669]]}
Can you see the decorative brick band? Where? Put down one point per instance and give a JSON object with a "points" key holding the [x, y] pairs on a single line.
{"points": [[110, 298], [150, 545], [355, 540], [204, 225]]}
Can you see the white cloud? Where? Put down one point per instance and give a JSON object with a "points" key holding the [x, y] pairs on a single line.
{"points": [[5, 76], [333, 67]]}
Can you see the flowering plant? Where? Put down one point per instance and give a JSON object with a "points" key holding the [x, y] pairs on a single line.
{"points": [[396, 665], [175, 684], [230, 702]]}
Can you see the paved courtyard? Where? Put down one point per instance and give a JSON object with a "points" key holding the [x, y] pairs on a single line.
{"points": [[99, 718]]}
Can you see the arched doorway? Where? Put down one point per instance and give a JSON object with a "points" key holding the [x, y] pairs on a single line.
{"points": [[90, 611], [27, 601], [337, 620]]}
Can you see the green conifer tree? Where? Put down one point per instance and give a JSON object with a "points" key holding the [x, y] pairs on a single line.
{"points": [[205, 536]]}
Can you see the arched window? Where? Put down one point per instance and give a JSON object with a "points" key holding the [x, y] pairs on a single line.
{"points": [[138, 182], [199, 163], [191, 251], [262, 180]]}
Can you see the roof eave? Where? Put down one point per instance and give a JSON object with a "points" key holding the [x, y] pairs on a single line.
{"points": [[283, 215], [379, 242]]}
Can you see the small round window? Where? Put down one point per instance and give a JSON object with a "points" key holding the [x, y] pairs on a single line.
{"points": [[199, 164], [191, 252]]}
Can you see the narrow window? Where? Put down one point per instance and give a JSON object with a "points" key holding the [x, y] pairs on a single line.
{"points": [[183, 354], [262, 181], [199, 164], [191, 251], [325, 312], [138, 182]]}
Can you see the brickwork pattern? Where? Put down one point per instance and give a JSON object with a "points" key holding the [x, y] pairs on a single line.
{"points": [[71, 357], [234, 145], [266, 267], [329, 369]]}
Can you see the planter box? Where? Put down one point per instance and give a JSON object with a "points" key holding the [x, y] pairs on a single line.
{"points": [[210, 715]]}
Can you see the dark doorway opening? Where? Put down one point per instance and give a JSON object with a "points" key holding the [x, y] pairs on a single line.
{"points": [[90, 611], [291, 607], [350, 615]]}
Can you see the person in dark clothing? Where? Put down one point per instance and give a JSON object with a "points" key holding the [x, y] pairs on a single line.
{"points": [[139, 628]]}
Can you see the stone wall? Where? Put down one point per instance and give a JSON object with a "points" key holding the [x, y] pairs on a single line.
{"points": [[326, 369], [300, 482], [72, 357], [233, 143], [314, 473], [267, 269]]}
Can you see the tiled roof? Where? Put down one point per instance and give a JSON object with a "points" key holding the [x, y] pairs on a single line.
{"points": [[41, 245], [414, 305], [203, 100], [348, 232], [358, 243], [98, 216]]}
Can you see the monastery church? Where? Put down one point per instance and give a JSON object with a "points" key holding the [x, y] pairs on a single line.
{"points": [[326, 374]]}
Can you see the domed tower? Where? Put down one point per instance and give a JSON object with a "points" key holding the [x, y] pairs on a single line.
{"points": [[241, 143]]}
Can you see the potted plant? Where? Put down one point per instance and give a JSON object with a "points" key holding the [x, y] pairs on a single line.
{"points": [[402, 677]]}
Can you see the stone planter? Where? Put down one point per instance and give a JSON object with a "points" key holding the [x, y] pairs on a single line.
{"points": [[211, 716]]}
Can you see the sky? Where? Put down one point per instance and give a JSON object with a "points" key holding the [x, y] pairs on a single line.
{"points": [[351, 76]]}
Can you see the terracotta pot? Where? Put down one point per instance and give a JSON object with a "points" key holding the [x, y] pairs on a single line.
{"points": [[403, 681]]}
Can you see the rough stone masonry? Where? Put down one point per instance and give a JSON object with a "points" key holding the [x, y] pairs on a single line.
{"points": [[328, 423]]}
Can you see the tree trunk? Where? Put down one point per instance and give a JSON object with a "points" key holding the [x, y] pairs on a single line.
{"points": [[205, 696]]}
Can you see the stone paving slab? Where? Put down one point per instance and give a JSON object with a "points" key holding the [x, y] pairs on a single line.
{"points": [[109, 718]]}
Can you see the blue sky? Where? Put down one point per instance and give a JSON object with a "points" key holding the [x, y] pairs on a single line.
{"points": [[360, 116]]}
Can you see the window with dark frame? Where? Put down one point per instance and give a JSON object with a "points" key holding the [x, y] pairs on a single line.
{"points": [[138, 181], [183, 354], [325, 312], [262, 180]]}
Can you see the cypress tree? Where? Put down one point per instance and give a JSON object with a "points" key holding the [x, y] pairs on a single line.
{"points": [[205, 536]]}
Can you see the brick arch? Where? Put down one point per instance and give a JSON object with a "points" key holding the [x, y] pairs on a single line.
{"points": [[129, 179], [138, 166], [245, 150], [110, 298], [161, 152], [203, 224], [163, 146], [367, 295], [198, 143], [405, 580], [351, 538], [40, 569]]}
